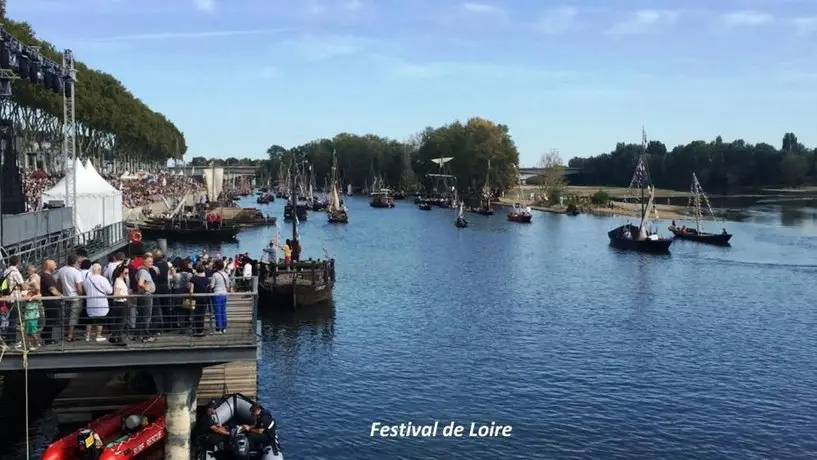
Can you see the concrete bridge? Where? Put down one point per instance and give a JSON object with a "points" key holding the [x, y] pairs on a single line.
{"points": [[229, 171], [530, 173]]}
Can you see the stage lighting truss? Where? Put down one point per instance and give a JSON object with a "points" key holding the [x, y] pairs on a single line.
{"points": [[23, 62]]}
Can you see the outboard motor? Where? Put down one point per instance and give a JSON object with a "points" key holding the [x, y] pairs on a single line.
{"points": [[240, 444], [89, 446]]}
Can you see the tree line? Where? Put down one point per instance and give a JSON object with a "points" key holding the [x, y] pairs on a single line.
{"points": [[719, 165], [111, 123], [471, 145]]}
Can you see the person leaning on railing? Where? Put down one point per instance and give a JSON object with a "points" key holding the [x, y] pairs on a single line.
{"points": [[12, 289], [119, 305]]}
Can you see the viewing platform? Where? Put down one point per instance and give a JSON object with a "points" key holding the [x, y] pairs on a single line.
{"points": [[48, 234], [172, 341]]}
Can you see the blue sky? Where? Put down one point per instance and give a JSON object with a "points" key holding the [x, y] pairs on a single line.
{"points": [[577, 76]]}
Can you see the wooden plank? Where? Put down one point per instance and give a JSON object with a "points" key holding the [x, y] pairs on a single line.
{"points": [[236, 377]]}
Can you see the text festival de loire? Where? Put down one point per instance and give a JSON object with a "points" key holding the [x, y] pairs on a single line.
{"points": [[451, 430]]}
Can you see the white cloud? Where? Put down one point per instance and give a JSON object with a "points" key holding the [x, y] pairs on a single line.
{"points": [[314, 48], [557, 20], [805, 25], [316, 8], [268, 72], [353, 5], [644, 21], [475, 7], [746, 18], [407, 69], [188, 35], [205, 6]]}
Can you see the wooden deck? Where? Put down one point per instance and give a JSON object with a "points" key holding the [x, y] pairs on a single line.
{"points": [[239, 342]]}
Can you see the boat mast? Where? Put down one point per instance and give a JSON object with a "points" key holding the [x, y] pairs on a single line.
{"points": [[642, 170], [697, 197], [293, 198]]}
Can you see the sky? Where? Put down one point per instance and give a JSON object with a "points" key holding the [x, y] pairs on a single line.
{"points": [[238, 76]]}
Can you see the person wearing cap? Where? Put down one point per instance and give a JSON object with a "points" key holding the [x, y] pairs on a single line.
{"points": [[215, 434]]}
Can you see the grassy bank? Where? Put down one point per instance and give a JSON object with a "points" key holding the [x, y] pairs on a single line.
{"points": [[668, 212]]}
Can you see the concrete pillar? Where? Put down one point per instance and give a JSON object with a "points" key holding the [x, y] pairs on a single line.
{"points": [[179, 386]]}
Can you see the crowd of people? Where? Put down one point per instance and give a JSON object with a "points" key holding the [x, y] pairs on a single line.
{"points": [[136, 192], [38, 307]]}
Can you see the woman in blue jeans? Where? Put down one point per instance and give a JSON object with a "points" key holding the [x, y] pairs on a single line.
{"points": [[220, 284]]}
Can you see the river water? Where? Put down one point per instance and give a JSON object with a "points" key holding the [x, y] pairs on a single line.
{"points": [[586, 351]]}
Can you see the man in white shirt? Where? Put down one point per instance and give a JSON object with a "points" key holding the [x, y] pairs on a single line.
{"points": [[118, 258], [14, 281], [70, 281]]}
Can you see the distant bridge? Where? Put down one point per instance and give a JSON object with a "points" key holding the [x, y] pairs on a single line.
{"points": [[530, 173], [229, 171]]}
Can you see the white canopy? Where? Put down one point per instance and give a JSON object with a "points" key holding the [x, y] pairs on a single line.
{"points": [[98, 203]]}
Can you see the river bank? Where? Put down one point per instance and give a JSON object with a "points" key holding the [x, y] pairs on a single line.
{"points": [[665, 211]]}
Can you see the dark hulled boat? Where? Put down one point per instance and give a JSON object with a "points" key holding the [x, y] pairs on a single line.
{"points": [[265, 198], [381, 199], [622, 238], [691, 234], [639, 238], [520, 215], [190, 229], [302, 284], [424, 207], [697, 197], [301, 209]]}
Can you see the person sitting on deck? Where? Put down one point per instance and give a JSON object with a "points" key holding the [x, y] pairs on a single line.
{"points": [[724, 231], [261, 434], [214, 435]]}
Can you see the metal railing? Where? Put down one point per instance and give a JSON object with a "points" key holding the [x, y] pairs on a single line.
{"points": [[151, 321], [59, 245]]}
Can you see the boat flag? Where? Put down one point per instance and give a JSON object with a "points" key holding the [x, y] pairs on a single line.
{"points": [[641, 172]]}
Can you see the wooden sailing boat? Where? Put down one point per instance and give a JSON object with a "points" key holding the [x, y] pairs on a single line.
{"points": [[444, 190], [381, 196], [296, 208], [337, 212], [301, 283], [460, 221], [640, 238], [696, 196], [518, 213], [485, 208]]}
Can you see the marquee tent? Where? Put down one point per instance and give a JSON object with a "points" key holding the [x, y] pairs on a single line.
{"points": [[95, 206], [112, 201]]}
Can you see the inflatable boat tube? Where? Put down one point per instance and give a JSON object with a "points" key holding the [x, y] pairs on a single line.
{"points": [[234, 410]]}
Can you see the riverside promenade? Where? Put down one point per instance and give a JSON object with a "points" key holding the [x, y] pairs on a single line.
{"points": [[182, 346]]}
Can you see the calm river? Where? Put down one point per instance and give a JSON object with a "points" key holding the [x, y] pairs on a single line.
{"points": [[586, 351]]}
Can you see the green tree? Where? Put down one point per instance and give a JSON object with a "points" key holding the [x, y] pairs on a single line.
{"points": [[111, 123], [720, 165]]}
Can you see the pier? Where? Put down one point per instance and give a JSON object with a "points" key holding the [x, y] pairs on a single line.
{"points": [[177, 360]]}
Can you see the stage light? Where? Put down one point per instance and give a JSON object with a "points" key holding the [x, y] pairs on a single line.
{"points": [[5, 56], [22, 66], [5, 88], [34, 74]]}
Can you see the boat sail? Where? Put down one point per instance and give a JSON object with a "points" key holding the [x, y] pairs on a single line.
{"points": [[518, 213], [641, 238], [696, 198], [485, 200], [337, 211], [460, 221]]}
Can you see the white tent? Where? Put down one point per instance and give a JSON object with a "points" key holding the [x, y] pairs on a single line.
{"points": [[111, 196], [95, 206]]}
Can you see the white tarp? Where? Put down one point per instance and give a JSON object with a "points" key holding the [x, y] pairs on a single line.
{"points": [[95, 205]]}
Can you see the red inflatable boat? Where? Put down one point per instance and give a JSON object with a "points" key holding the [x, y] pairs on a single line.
{"points": [[115, 445]]}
